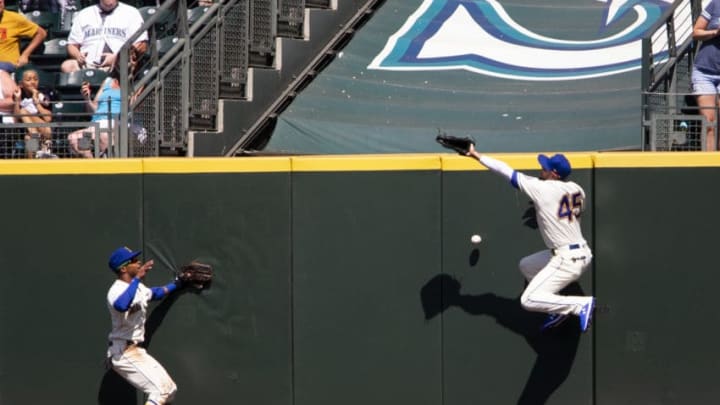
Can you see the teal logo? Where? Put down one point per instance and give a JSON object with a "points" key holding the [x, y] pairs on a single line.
{"points": [[481, 37]]}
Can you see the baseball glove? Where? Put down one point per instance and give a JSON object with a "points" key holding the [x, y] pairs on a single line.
{"points": [[195, 275], [460, 145]]}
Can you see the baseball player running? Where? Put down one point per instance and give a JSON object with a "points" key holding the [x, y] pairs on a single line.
{"points": [[128, 301], [558, 203]]}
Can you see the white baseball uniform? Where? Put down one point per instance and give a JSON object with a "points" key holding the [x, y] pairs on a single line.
{"points": [[128, 304], [558, 206], [96, 32]]}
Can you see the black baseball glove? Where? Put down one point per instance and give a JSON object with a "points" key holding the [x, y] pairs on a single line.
{"points": [[195, 275], [460, 145]]}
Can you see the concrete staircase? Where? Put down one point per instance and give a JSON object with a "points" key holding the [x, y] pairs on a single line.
{"points": [[303, 46]]}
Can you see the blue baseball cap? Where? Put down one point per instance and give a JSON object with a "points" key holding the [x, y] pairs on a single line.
{"points": [[121, 256], [558, 163]]}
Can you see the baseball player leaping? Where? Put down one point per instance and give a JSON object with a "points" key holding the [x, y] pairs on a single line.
{"points": [[128, 300], [558, 204]]}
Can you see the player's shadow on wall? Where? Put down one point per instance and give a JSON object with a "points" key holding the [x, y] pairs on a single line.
{"points": [[114, 390], [556, 348]]}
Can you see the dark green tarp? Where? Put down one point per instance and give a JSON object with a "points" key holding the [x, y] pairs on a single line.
{"points": [[550, 75]]}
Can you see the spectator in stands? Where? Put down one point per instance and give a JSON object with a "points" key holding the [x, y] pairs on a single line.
{"points": [[99, 31], [13, 28], [33, 106], [53, 6], [706, 68], [7, 89], [106, 104], [63, 8]]}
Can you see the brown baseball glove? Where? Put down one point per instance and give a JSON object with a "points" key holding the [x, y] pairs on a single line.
{"points": [[195, 275]]}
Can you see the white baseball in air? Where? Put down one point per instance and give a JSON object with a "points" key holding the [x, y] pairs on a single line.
{"points": [[475, 239]]}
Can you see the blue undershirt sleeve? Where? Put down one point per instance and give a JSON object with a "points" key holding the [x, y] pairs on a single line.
{"points": [[159, 292], [122, 303], [513, 180]]}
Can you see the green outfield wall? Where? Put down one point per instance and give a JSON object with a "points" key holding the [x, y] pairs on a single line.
{"points": [[656, 248], [353, 279]]}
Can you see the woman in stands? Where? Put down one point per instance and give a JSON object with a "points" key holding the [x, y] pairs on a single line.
{"points": [[106, 108], [706, 68]]}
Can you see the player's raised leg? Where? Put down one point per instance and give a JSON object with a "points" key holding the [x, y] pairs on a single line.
{"points": [[531, 265], [146, 374], [541, 293]]}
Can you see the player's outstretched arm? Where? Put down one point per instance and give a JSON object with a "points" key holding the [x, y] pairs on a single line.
{"points": [[473, 153], [497, 166], [159, 293], [123, 302]]}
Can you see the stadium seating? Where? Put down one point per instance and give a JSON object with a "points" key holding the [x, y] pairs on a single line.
{"points": [[12, 5], [47, 20], [70, 111], [147, 12], [163, 45], [194, 14], [55, 47], [51, 54], [68, 84], [64, 25]]}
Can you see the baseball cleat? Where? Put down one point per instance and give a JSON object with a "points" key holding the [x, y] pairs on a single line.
{"points": [[552, 321], [586, 314]]}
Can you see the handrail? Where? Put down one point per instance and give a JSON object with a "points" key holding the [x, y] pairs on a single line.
{"points": [[649, 77], [180, 9], [670, 12], [134, 93], [662, 72]]}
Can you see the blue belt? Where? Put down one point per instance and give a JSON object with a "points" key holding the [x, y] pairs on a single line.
{"points": [[571, 247]]}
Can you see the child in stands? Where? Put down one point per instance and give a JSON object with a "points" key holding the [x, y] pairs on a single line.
{"points": [[32, 106]]}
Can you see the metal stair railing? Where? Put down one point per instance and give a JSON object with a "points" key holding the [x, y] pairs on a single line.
{"points": [[291, 18], [178, 86], [234, 50], [263, 31], [300, 80], [143, 90]]}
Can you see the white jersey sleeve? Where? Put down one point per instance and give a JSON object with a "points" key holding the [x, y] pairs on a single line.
{"points": [[558, 205], [498, 166]]}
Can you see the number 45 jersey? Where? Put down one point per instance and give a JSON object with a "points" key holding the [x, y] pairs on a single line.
{"points": [[558, 205]]}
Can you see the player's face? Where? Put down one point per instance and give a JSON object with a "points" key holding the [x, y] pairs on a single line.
{"points": [[133, 267], [549, 175]]}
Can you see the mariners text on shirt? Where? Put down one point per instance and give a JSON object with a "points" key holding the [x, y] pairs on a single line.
{"points": [[116, 32]]}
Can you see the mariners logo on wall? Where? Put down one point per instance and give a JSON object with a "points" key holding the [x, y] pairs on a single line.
{"points": [[481, 37]]}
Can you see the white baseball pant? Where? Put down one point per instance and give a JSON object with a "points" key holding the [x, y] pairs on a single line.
{"points": [[144, 373], [547, 274]]}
